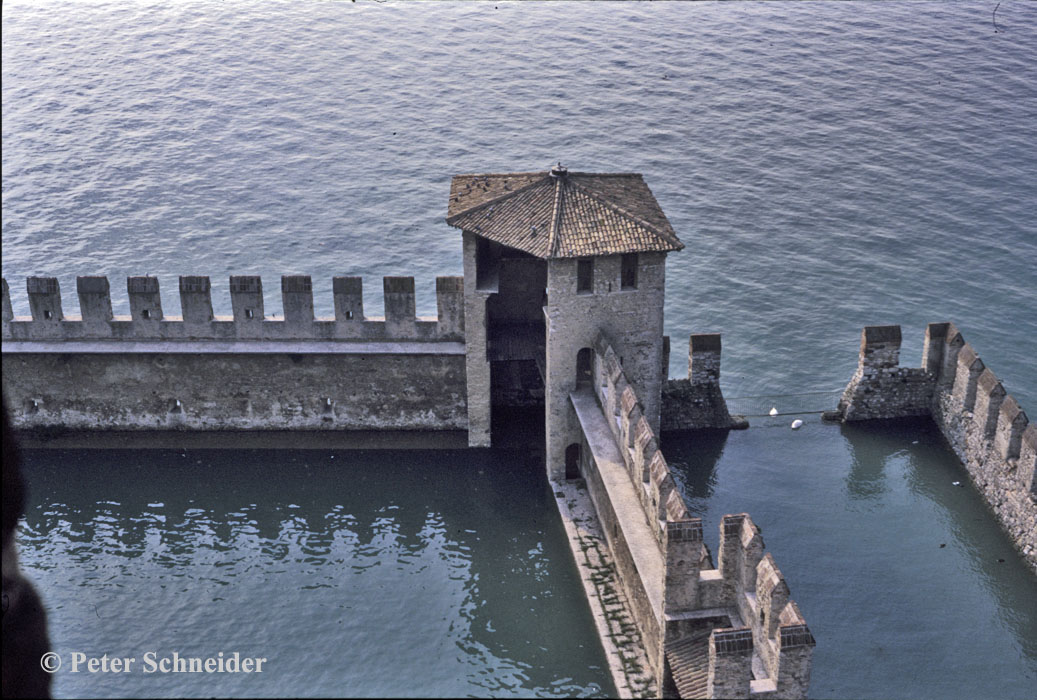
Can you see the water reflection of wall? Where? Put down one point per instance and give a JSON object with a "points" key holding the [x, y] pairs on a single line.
{"points": [[693, 459], [872, 444], [457, 550], [985, 427], [915, 452]]}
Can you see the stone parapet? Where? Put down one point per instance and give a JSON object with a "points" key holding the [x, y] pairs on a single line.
{"points": [[248, 321], [290, 386], [881, 388], [984, 425], [697, 402], [746, 588]]}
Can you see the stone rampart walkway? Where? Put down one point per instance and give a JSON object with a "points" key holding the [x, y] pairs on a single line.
{"points": [[619, 635]]}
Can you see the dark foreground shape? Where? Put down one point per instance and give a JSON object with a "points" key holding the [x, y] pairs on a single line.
{"points": [[24, 620]]}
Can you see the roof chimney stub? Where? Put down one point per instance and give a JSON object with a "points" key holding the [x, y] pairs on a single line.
{"points": [[559, 170]]}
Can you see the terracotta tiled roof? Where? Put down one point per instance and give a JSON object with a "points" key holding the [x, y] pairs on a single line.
{"points": [[689, 662], [558, 214]]}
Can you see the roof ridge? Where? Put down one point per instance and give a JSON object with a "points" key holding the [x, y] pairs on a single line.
{"points": [[586, 174], [531, 172], [556, 218], [497, 199], [633, 217], [547, 172]]}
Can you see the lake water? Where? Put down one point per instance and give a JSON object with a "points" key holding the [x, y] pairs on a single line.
{"points": [[378, 574], [829, 166], [906, 581]]}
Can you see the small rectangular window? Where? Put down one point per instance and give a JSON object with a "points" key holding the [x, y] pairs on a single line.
{"points": [[145, 313], [249, 313], [628, 277], [47, 314], [349, 315], [585, 276]]}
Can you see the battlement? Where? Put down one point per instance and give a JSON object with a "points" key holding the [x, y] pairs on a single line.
{"points": [[953, 380], [984, 425], [881, 388], [248, 320], [697, 402], [970, 391], [746, 591]]}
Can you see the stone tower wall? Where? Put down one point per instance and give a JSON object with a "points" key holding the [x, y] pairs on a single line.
{"points": [[477, 364], [631, 319]]}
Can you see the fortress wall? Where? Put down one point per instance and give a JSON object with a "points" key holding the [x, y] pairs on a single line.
{"points": [[246, 372], [235, 391], [641, 593], [983, 424], [697, 402], [248, 321], [635, 492], [881, 388], [989, 432]]}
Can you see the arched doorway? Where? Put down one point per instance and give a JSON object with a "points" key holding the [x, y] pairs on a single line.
{"points": [[572, 461], [584, 367]]}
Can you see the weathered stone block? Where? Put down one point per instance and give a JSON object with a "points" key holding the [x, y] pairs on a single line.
{"points": [[450, 306], [953, 342], [989, 395], [1011, 422], [145, 300], [247, 305], [44, 299], [730, 663], [963, 389], [8, 311], [95, 300], [933, 347], [196, 299]]}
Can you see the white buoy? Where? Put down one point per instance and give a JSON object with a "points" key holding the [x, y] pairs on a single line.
{"points": [[797, 424], [774, 411]]}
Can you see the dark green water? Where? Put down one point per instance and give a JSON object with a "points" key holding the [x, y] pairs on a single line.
{"points": [[389, 573], [910, 587], [447, 573]]}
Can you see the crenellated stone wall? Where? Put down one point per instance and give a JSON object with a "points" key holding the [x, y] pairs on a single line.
{"points": [[731, 631], [988, 430], [147, 320], [984, 425], [697, 402], [881, 388], [200, 371]]}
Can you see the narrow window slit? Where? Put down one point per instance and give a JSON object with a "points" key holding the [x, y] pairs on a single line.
{"points": [[585, 276], [628, 278]]}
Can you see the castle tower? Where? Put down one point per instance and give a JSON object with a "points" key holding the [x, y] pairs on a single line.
{"points": [[552, 260]]}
